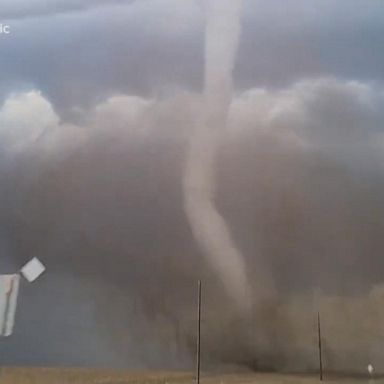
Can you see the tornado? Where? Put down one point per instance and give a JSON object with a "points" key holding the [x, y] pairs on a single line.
{"points": [[207, 224]]}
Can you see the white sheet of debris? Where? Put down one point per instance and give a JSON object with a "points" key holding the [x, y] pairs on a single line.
{"points": [[33, 269], [9, 289]]}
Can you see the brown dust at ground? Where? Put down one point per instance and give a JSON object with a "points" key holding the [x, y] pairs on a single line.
{"points": [[98, 376]]}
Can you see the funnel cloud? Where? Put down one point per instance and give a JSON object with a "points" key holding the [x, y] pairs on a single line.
{"points": [[208, 226]]}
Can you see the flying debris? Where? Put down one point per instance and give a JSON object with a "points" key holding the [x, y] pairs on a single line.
{"points": [[33, 269], [9, 290], [370, 369]]}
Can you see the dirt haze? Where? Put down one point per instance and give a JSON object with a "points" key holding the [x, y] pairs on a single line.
{"points": [[100, 376]]}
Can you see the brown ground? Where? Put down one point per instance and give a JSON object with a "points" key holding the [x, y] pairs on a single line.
{"points": [[94, 376]]}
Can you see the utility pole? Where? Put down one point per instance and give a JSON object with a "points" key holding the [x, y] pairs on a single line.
{"points": [[198, 332], [320, 350]]}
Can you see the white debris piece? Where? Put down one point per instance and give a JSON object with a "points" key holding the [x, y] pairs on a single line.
{"points": [[9, 289], [33, 269], [370, 369]]}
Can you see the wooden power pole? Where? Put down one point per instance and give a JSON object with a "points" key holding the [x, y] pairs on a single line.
{"points": [[320, 350], [198, 332]]}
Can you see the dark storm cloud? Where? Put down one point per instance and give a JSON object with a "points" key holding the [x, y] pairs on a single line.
{"points": [[282, 44], [79, 58], [154, 46], [16, 9]]}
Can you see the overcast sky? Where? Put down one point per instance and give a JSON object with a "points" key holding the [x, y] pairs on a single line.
{"points": [[77, 52]]}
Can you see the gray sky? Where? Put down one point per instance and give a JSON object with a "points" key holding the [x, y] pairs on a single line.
{"points": [[77, 52]]}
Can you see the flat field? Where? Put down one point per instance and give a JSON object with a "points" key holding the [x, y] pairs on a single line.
{"points": [[98, 376]]}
